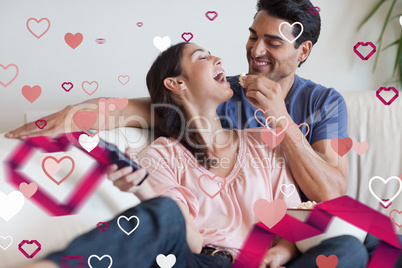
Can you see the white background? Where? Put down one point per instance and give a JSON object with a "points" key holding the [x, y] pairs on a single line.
{"points": [[129, 50]]}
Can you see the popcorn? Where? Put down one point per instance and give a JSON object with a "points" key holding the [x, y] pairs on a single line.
{"points": [[241, 79], [307, 205]]}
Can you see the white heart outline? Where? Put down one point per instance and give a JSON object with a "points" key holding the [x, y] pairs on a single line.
{"points": [[385, 203], [93, 255], [288, 185], [12, 240], [279, 118], [128, 219], [291, 26], [162, 258]]}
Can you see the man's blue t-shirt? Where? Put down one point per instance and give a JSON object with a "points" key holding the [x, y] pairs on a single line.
{"points": [[323, 109]]}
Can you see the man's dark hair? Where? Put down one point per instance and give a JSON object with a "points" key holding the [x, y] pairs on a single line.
{"points": [[293, 11]]}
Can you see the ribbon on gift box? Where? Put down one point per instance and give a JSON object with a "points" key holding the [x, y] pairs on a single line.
{"points": [[293, 230], [82, 191]]}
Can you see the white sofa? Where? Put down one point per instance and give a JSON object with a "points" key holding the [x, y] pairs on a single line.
{"points": [[369, 120]]}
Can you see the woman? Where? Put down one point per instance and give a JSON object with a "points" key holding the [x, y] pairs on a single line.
{"points": [[188, 84]]}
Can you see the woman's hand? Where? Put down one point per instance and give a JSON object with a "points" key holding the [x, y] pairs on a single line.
{"points": [[127, 181], [271, 260]]}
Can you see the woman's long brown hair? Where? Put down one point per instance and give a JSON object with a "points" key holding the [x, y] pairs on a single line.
{"points": [[172, 124]]}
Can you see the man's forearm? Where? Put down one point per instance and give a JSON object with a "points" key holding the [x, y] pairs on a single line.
{"points": [[319, 178], [137, 113]]}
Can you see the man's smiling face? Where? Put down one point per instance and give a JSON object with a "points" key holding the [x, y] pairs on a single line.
{"points": [[268, 53]]}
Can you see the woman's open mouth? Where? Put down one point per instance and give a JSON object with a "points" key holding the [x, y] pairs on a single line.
{"points": [[220, 76]]}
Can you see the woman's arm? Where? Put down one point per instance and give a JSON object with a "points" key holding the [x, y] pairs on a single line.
{"points": [[280, 254], [137, 113], [127, 181], [194, 238]]}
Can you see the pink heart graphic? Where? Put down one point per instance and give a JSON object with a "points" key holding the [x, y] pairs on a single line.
{"points": [[387, 89], [100, 41], [214, 186], [272, 139], [392, 219], [120, 103], [211, 15], [5, 84], [80, 259], [341, 147], [298, 126], [67, 86], [270, 213], [264, 112], [73, 40], [41, 126], [84, 120], [28, 190], [139, 24], [360, 148], [187, 36], [31, 93], [99, 225], [385, 200], [38, 22], [86, 85], [314, 12], [364, 44], [29, 256], [327, 262], [21, 155], [123, 79], [49, 166]]}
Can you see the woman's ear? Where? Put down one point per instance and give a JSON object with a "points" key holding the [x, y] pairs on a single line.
{"points": [[174, 84]]}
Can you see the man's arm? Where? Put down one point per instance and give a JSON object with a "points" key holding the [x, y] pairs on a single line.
{"points": [[141, 107], [319, 172]]}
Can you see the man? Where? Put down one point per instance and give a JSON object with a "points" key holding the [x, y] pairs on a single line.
{"points": [[273, 87]]}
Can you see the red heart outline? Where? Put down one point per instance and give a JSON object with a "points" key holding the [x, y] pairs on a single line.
{"points": [[298, 126], [67, 83], [81, 261], [29, 242], [40, 121], [29, 29], [187, 33], [392, 219], [84, 188], [211, 12], [58, 161], [15, 76], [317, 10], [377, 93], [364, 44], [256, 118], [220, 190], [102, 223]]}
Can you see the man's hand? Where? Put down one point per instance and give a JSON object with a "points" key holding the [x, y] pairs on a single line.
{"points": [[265, 94], [54, 127]]}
